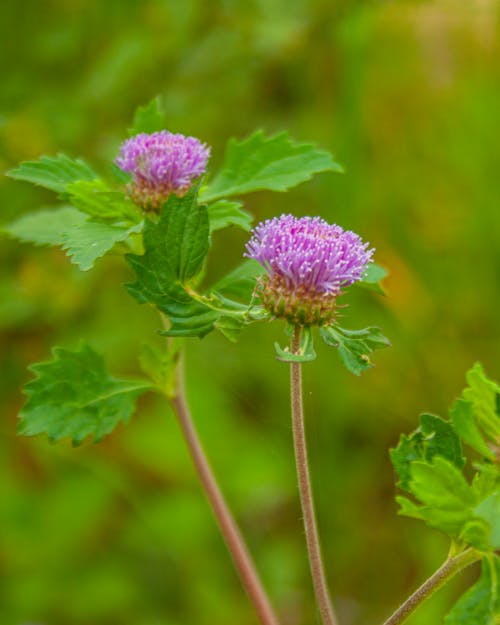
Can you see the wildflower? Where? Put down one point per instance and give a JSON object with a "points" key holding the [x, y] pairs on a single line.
{"points": [[161, 163], [308, 263]]}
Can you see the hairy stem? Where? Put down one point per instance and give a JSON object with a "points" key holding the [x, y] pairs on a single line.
{"points": [[305, 490], [228, 527], [445, 572]]}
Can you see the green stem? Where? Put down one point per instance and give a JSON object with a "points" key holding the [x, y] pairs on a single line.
{"points": [[305, 490], [228, 527], [445, 572]]}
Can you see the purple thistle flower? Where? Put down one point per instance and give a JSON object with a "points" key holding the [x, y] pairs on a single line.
{"points": [[308, 262], [161, 163]]}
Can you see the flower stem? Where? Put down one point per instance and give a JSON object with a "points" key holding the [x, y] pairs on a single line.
{"points": [[305, 490], [446, 571], [228, 527]]}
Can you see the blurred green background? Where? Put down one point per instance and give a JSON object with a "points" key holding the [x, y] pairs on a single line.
{"points": [[407, 95]]}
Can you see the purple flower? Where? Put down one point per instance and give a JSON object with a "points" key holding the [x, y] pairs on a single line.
{"points": [[308, 262], [161, 163]]}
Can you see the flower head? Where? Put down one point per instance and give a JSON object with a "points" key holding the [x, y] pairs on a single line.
{"points": [[161, 163], [308, 262]]}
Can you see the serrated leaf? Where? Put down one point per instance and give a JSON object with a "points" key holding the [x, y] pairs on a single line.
{"points": [[355, 345], [434, 437], [276, 163], [53, 172], [306, 352], [91, 240], [224, 213], [372, 279], [74, 396], [230, 327], [483, 394], [476, 533], [96, 199], [462, 416], [148, 118], [480, 605], [45, 227], [83, 240], [240, 282]]}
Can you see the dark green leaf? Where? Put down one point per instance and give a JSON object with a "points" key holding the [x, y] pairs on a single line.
{"points": [[53, 172], [148, 118], [480, 605], [276, 163], [224, 213], [306, 352], [462, 416], [355, 345], [483, 394], [74, 396], [372, 279]]}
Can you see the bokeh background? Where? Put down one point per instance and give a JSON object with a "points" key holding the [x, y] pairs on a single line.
{"points": [[407, 95]]}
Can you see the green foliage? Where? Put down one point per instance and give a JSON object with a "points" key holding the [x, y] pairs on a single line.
{"points": [[160, 365], [74, 396], [355, 345], [484, 395], [148, 118], [480, 605], [224, 213], [240, 282], [96, 199], [53, 172], [276, 163], [430, 467], [83, 239]]}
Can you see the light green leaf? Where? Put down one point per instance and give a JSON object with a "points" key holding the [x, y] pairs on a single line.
{"points": [[224, 213], [160, 365], [96, 199], [45, 227], [306, 352], [53, 172], [276, 163], [372, 279], [484, 394], [91, 240], [83, 240], [480, 605], [148, 118], [355, 345], [74, 396], [462, 416], [489, 511]]}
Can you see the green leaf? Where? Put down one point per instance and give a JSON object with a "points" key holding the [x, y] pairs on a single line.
{"points": [[276, 163], [224, 213], [483, 394], [148, 118], [83, 240], [240, 282], [306, 352], [489, 510], [446, 496], [46, 227], [91, 240], [96, 199], [374, 274], [434, 437], [74, 396], [355, 345], [480, 605], [53, 172], [462, 416], [230, 327]]}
